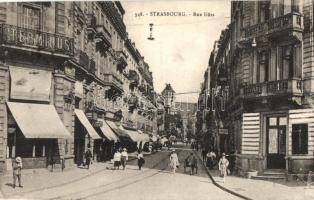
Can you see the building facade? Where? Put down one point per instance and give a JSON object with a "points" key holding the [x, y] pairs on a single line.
{"points": [[266, 64], [67, 66]]}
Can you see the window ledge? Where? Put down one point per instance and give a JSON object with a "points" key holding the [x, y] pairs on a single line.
{"points": [[300, 157]]}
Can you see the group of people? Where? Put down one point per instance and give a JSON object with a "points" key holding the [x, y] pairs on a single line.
{"points": [[120, 157], [210, 158]]}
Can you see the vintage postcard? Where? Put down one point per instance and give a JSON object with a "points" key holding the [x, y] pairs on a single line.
{"points": [[157, 99]]}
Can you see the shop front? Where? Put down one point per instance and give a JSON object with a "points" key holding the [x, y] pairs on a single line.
{"points": [[108, 143], [124, 138], [33, 133], [85, 136], [279, 140]]}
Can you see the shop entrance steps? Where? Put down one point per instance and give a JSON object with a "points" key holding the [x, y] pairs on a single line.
{"points": [[271, 175]]}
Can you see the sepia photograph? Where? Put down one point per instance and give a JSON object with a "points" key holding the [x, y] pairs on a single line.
{"points": [[157, 100]]}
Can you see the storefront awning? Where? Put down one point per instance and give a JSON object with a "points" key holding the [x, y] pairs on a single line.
{"points": [[106, 130], [119, 131], [38, 120], [134, 135], [89, 128], [143, 137]]}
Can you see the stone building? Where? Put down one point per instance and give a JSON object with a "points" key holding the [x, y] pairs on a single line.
{"points": [[63, 78], [266, 63]]}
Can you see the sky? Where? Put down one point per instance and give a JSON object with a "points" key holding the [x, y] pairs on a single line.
{"points": [[180, 52]]}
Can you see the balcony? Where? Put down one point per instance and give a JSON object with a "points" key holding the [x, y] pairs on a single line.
{"points": [[275, 27], [91, 25], [122, 60], [18, 37], [114, 81], [92, 66], [291, 87], [83, 59], [103, 38]]}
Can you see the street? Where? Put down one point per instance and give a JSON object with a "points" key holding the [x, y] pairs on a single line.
{"points": [[153, 182]]}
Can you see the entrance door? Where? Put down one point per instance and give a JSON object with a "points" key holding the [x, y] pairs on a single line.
{"points": [[276, 143]]}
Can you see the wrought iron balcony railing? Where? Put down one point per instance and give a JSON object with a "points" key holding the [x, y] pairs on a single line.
{"points": [[290, 87], [291, 21], [103, 37], [112, 80], [34, 39]]}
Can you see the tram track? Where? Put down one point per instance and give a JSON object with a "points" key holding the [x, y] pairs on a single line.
{"points": [[66, 183], [126, 181]]}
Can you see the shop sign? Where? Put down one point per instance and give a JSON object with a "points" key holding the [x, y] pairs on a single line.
{"points": [[37, 39], [24, 84], [223, 131], [79, 89], [98, 124]]}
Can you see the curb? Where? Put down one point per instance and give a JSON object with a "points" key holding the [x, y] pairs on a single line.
{"points": [[220, 186]]}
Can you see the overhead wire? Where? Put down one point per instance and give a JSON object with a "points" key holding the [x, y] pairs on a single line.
{"points": [[179, 23]]}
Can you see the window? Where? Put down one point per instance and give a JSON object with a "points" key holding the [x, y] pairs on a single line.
{"points": [[31, 18], [299, 139], [283, 7], [263, 11], [285, 65], [262, 67]]}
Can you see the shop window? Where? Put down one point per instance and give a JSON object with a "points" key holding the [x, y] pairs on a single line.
{"points": [[299, 139], [38, 148]]}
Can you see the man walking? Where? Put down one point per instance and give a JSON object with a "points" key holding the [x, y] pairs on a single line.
{"points": [[88, 156], [204, 152], [192, 163], [124, 158], [17, 168]]}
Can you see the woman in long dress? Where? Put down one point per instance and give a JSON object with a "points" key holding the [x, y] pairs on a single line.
{"points": [[174, 161], [223, 166]]}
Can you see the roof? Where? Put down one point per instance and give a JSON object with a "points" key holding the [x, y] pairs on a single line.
{"points": [[168, 88]]}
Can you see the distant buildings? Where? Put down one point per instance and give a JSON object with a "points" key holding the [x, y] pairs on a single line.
{"points": [[259, 101], [188, 115]]}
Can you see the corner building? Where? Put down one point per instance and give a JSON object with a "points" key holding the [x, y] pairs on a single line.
{"points": [[62, 78], [271, 85]]}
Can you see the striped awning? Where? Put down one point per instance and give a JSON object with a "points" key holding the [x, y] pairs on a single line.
{"points": [[38, 120], [89, 128], [119, 131], [106, 130]]}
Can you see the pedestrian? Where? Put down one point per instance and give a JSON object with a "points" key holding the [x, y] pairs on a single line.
{"points": [[124, 158], [223, 166], [174, 161], [88, 156], [193, 164], [116, 159], [140, 160], [204, 152], [17, 169], [196, 146], [211, 157]]}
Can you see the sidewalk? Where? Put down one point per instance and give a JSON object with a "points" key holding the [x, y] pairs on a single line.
{"points": [[261, 190], [41, 179], [34, 180]]}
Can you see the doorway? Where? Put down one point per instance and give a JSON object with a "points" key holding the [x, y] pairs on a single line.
{"points": [[276, 142]]}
